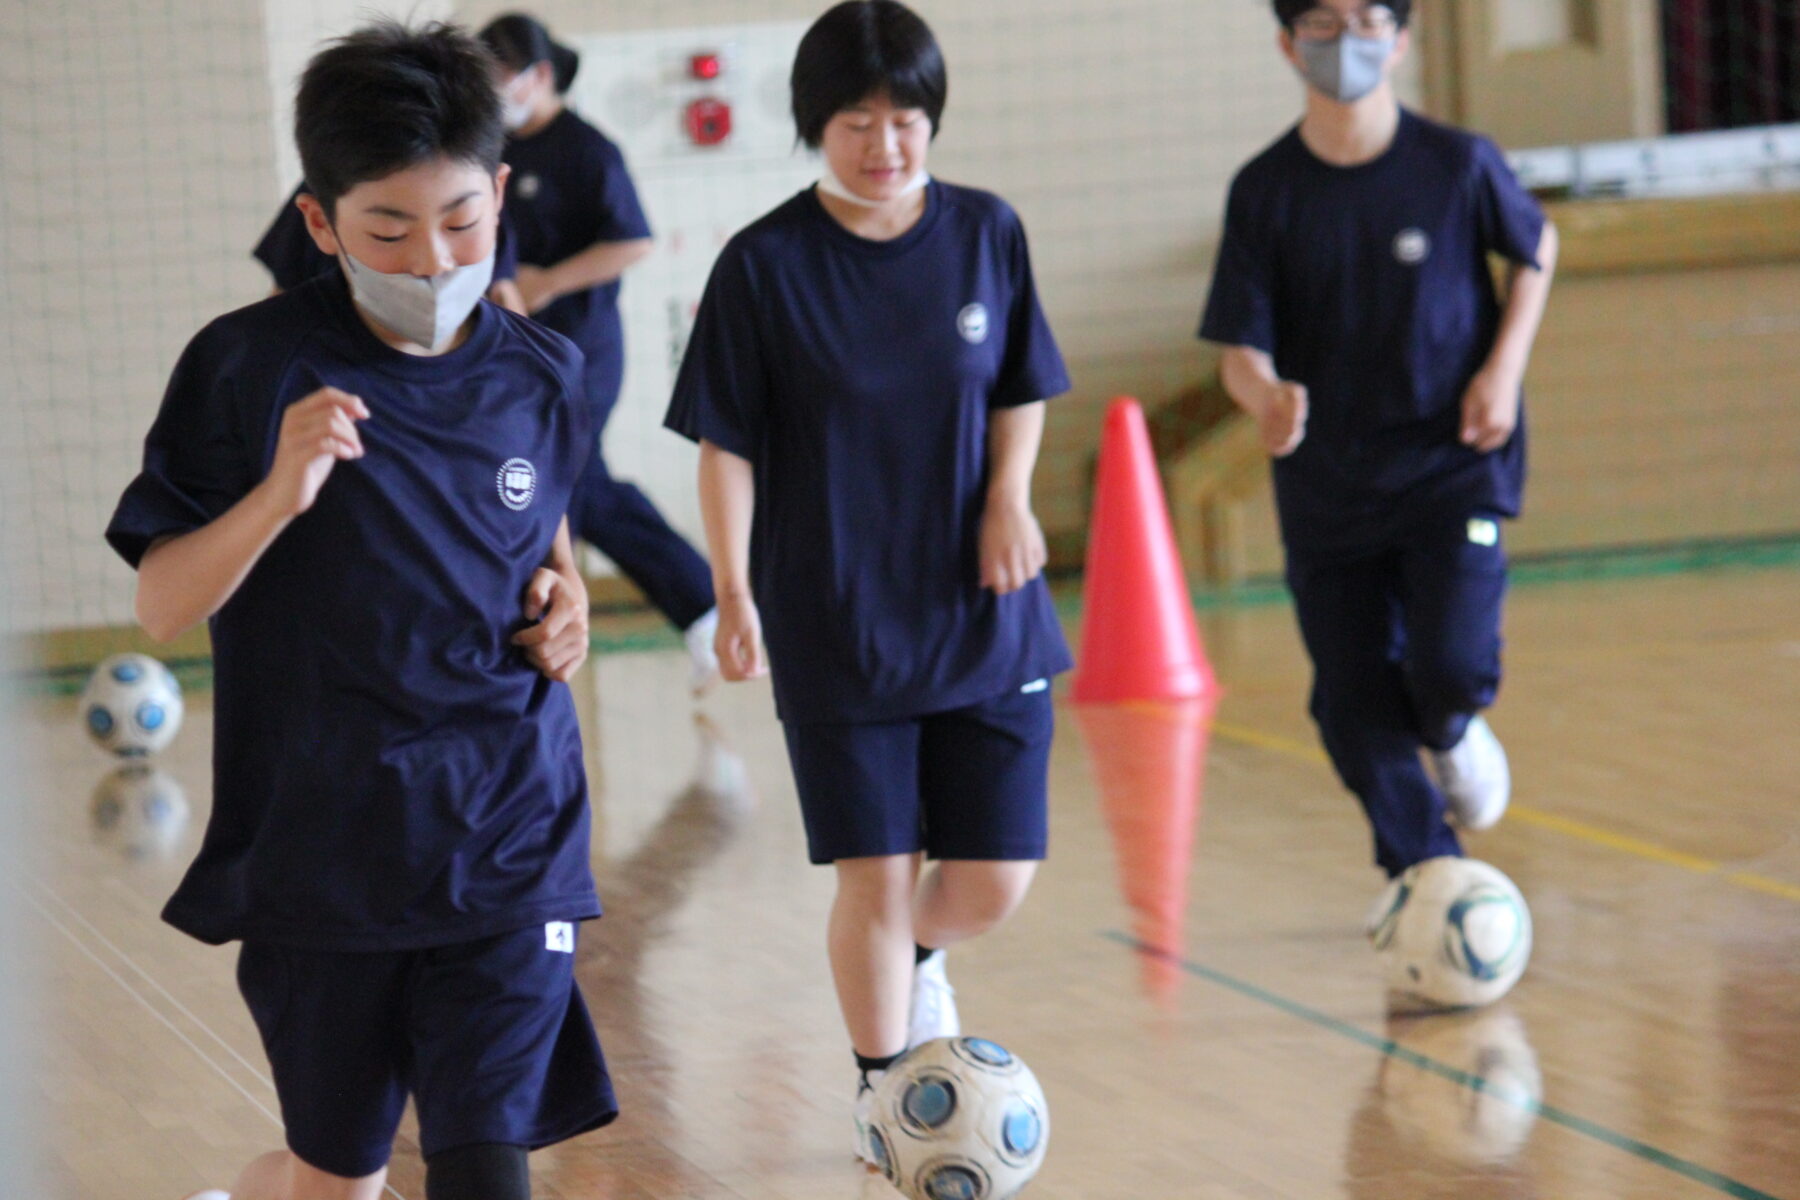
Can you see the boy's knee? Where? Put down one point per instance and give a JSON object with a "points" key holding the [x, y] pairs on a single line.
{"points": [[484, 1172], [878, 887]]}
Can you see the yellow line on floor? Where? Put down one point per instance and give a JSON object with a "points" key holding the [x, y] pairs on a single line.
{"points": [[1762, 883], [1245, 735], [1624, 843]]}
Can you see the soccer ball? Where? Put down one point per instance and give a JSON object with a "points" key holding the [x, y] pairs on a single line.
{"points": [[959, 1119], [131, 705], [1452, 931], [140, 810]]}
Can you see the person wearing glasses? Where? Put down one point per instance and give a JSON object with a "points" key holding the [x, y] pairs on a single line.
{"points": [[1362, 331]]}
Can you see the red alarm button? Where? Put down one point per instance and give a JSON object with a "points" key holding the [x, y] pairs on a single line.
{"points": [[709, 121], [706, 66]]}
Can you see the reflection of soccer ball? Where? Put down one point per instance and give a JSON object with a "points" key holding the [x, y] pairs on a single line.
{"points": [[140, 810], [1452, 931], [132, 705], [959, 1119], [1472, 1126]]}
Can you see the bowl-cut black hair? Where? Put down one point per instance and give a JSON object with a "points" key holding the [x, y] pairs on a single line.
{"points": [[864, 48]]}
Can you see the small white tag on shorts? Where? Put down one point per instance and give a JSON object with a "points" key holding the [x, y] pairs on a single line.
{"points": [[1034, 687], [560, 937], [1484, 532]]}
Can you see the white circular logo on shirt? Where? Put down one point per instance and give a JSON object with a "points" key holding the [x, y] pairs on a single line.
{"points": [[972, 323], [1412, 246], [526, 186], [517, 483]]}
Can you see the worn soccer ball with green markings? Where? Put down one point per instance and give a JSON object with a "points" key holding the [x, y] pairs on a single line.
{"points": [[1453, 932]]}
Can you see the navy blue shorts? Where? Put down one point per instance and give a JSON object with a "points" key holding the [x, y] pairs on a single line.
{"points": [[490, 1037], [972, 783]]}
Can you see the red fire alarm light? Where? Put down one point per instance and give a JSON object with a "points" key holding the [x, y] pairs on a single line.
{"points": [[706, 66], [709, 121]]}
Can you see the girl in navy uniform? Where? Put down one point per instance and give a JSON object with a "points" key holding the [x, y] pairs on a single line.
{"points": [[580, 227], [866, 379], [361, 484], [1362, 332]]}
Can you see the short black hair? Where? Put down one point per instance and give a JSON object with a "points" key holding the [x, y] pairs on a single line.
{"points": [[388, 97], [519, 41], [862, 48], [1289, 11]]}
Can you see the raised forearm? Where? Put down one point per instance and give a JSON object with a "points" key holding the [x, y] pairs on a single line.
{"points": [[600, 263], [184, 580]]}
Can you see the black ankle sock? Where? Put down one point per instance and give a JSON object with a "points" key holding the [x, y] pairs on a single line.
{"points": [[866, 1064], [488, 1172], [921, 953]]}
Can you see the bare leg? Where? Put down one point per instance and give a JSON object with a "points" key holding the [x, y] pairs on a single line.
{"points": [[963, 899], [282, 1176], [871, 944]]}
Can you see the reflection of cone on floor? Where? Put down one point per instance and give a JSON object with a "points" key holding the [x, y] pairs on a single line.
{"points": [[1139, 640], [1151, 760]]}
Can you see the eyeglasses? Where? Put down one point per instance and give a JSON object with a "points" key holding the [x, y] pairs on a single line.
{"points": [[1324, 24]]}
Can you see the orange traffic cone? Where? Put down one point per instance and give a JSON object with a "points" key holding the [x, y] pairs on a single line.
{"points": [[1139, 640], [1150, 762]]}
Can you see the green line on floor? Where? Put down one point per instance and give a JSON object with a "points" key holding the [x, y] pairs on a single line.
{"points": [[1394, 1050]]}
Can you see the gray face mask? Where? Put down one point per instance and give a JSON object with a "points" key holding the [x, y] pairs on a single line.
{"points": [[426, 312], [1348, 67]]}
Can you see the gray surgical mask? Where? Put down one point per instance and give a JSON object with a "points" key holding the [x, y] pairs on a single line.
{"points": [[427, 312], [1347, 67]]}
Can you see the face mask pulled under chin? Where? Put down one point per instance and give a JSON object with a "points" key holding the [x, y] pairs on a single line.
{"points": [[831, 185], [426, 312], [516, 109], [1347, 67]]}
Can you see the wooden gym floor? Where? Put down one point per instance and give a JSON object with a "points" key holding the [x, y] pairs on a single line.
{"points": [[1206, 1026]]}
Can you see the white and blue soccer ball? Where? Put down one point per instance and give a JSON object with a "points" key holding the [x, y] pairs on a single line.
{"points": [[959, 1119], [1454, 932], [141, 811], [132, 705]]}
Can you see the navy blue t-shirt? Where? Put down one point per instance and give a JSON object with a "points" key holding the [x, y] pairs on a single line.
{"points": [[389, 771], [569, 189], [292, 257], [1371, 285], [857, 377]]}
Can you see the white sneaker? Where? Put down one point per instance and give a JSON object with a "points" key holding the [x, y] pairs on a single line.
{"points": [[933, 1013], [867, 1142], [705, 660], [720, 771], [1475, 778]]}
